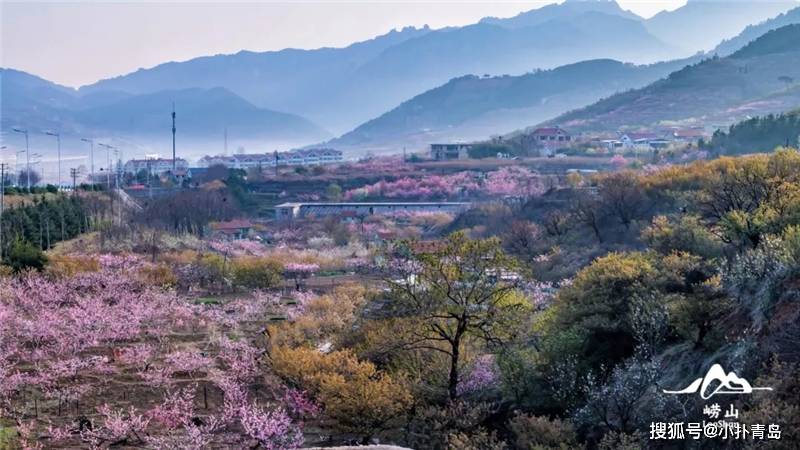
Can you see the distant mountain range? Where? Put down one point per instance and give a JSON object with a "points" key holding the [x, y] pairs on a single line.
{"points": [[761, 78], [295, 97], [203, 114], [702, 24], [472, 107], [753, 32], [339, 88]]}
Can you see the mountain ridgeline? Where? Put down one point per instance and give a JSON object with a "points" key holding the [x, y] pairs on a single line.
{"points": [[760, 78], [473, 107]]}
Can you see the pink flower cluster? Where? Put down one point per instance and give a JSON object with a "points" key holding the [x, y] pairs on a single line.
{"points": [[380, 164], [513, 180], [618, 161], [273, 430], [299, 404], [510, 180], [426, 187], [64, 344], [301, 299], [301, 268], [484, 375]]}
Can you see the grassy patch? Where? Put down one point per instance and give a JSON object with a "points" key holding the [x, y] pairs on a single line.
{"points": [[8, 438], [330, 273], [207, 301]]}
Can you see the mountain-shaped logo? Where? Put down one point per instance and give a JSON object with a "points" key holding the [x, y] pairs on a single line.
{"points": [[729, 383]]}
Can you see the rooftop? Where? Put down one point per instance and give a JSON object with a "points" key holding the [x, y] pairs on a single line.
{"points": [[152, 160], [550, 131]]}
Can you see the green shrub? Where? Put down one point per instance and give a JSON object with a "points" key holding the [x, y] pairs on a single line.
{"points": [[541, 433], [621, 441], [686, 234], [437, 428], [8, 438], [590, 317], [476, 440], [23, 255], [256, 273]]}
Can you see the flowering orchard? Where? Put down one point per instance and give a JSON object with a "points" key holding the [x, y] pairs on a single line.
{"points": [[515, 181], [101, 358]]}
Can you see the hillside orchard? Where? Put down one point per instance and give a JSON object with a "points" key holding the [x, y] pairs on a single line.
{"points": [[550, 315]]}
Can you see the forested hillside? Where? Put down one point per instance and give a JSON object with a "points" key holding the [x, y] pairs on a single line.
{"points": [[759, 134]]}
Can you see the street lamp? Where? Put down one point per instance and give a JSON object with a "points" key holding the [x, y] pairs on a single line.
{"points": [[91, 151], [108, 162], [117, 172], [58, 138], [3, 167], [27, 156]]}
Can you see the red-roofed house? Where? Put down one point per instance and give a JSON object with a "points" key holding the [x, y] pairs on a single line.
{"points": [[549, 139], [236, 228]]}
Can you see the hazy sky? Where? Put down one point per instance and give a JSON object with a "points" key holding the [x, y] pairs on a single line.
{"points": [[76, 43]]}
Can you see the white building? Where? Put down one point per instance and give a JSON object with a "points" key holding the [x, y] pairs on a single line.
{"points": [[443, 152], [156, 166], [638, 141], [310, 157]]}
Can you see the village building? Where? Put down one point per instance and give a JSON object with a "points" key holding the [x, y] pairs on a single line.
{"points": [[637, 141], [233, 229], [306, 157], [444, 152], [154, 166], [547, 140]]}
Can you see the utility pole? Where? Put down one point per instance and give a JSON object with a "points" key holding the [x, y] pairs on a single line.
{"points": [[174, 167], [108, 176], [108, 163], [58, 138], [3, 167], [27, 157], [73, 172], [226, 142], [276, 164], [118, 154], [91, 150], [149, 179], [116, 171]]}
